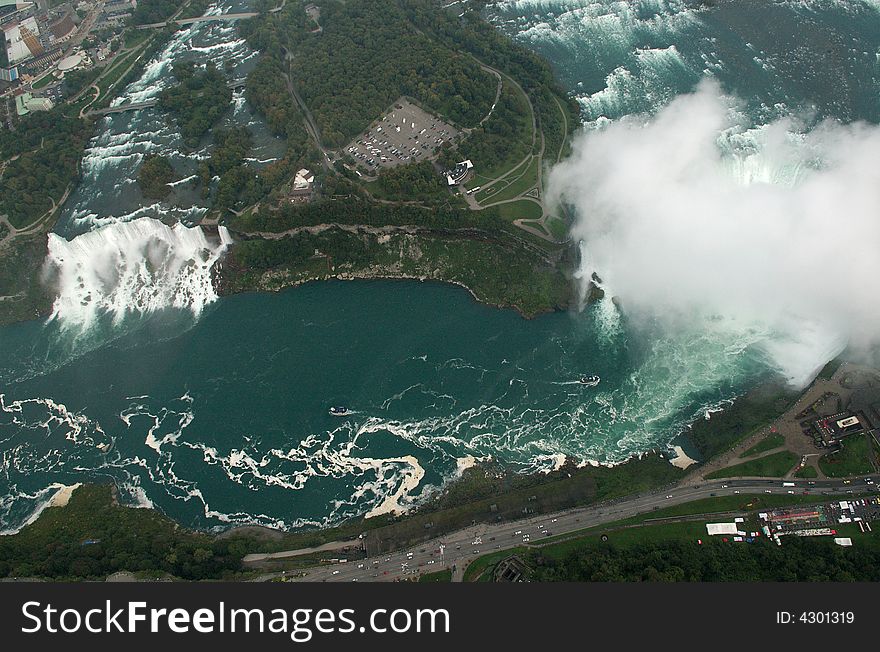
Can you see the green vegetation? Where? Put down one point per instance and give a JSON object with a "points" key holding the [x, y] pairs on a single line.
{"points": [[48, 146], [367, 56], [355, 210], [830, 368], [767, 444], [76, 80], [807, 472], [503, 140], [670, 553], [482, 567], [769, 466], [520, 210], [749, 413], [154, 176], [513, 185], [197, 101], [418, 182], [93, 537], [24, 297], [647, 534], [439, 576], [498, 270], [240, 184], [44, 81], [853, 458]]}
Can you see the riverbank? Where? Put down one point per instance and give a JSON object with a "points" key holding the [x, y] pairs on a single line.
{"points": [[497, 270], [122, 538]]}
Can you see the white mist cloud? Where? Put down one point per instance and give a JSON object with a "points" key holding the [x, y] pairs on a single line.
{"points": [[689, 216]]}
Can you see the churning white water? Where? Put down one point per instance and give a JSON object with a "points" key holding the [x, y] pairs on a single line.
{"points": [[136, 267]]}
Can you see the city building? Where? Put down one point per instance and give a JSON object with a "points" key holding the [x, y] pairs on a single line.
{"points": [[22, 39]]}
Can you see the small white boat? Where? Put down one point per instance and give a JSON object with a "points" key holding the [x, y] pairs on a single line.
{"points": [[589, 381], [339, 411]]}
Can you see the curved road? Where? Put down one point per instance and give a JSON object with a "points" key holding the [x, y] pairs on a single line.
{"points": [[464, 546]]}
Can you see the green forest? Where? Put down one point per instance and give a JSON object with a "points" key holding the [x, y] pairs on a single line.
{"points": [[367, 56], [413, 182], [800, 559], [49, 146], [93, 537], [154, 176], [197, 101]]}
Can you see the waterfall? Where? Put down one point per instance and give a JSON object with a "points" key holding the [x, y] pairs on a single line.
{"points": [[136, 267]]}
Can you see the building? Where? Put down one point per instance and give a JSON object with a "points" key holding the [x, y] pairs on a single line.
{"points": [[25, 103], [459, 173], [62, 29], [14, 4], [302, 182], [834, 428], [9, 74], [22, 39]]}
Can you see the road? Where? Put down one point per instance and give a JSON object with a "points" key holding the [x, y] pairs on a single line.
{"points": [[463, 546]]}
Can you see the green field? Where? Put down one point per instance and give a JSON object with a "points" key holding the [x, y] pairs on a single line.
{"points": [[854, 458], [44, 81], [772, 441], [512, 186], [520, 210], [771, 466], [557, 227], [438, 576], [477, 567], [807, 472]]}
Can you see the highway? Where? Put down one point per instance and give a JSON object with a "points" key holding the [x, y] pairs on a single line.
{"points": [[458, 549]]}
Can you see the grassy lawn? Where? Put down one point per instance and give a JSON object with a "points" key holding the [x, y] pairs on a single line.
{"points": [[807, 472], [44, 81], [136, 37], [514, 185], [520, 210], [557, 227], [481, 179], [438, 576], [769, 443], [487, 562], [771, 466], [852, 459]]}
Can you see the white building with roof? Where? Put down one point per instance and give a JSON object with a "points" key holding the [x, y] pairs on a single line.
{"points": [[303, 180]]}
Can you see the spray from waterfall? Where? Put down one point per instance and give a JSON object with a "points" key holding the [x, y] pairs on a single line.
{"points": [[695, 219]]}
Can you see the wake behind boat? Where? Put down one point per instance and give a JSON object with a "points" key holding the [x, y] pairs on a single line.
{"points": [[339, 411], [589, 381]]}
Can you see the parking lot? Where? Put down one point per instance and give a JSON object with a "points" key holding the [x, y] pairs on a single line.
{"points": [[405, 133]]}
